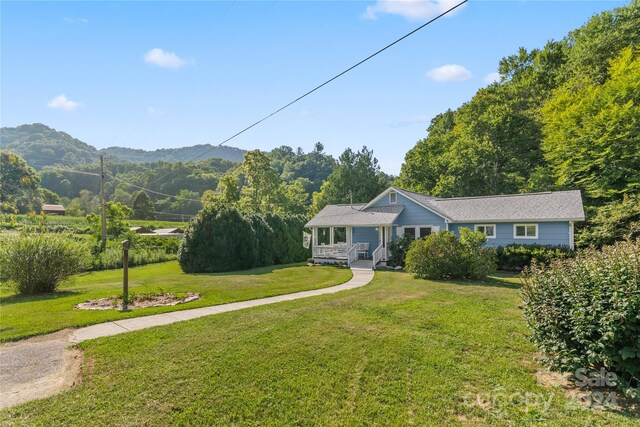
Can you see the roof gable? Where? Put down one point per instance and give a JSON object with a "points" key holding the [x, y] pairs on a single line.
{"points": [[421, 200]]}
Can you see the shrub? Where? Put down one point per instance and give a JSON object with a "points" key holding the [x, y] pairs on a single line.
{"points": [[585, 312], [478, 260], [38, 263], [442, 256], [398, 251], [515, 257], [220, 238]]}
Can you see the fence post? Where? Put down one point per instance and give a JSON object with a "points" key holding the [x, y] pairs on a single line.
{"points": [[125, 274]]}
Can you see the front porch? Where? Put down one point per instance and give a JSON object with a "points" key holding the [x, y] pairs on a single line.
{"points": [[351, 244]]}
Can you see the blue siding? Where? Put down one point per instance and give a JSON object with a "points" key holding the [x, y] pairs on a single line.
{"points": [[413, 214], [365, 235], [549, 233]]}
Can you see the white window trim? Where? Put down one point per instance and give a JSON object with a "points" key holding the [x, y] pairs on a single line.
{"points": [[525, 237], [416, 236], [393, 202], [495, 229]]}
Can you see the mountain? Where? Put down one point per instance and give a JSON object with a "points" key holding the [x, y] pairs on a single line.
{"points": [[42, 146], [183, 154]]}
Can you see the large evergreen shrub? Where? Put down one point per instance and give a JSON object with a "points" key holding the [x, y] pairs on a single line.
{"points": [[585, 312], [218, 238], [221, 238], [37, 263]]}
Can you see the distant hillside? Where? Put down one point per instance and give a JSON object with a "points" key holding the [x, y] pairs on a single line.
{"points": [[42, 146], [182, 154]]}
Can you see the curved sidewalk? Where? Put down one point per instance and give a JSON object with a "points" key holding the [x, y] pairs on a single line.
{"points": [[42, 366], [361, 276]]}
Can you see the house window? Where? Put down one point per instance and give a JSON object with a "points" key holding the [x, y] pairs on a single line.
{"points": [[418, 231], [410, 232], [393, 197], [489, 230], [339, 235], [525, 231], [425, 231], [324, 236]]}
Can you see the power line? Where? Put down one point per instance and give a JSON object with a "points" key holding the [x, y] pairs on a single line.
{"points": [[336, 76], [325, 83], [152, 191]]}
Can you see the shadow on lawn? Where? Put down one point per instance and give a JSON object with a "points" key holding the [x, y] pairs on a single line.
{"points": [[17, 299], [495, 281], [252, 271]]}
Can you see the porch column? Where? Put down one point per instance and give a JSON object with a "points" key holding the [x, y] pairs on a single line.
{"points": [[571, 236], [349, 237]]}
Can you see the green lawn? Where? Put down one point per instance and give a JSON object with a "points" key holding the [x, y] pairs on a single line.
{"points": [[22, 316], [398, 351]]}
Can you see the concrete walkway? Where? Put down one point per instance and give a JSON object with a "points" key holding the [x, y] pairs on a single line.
{"points": [[43, 366]]}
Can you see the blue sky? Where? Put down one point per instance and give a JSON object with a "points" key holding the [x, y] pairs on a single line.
{"points": [[167, 74]]}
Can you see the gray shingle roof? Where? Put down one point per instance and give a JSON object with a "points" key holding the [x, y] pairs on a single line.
{"points": [[343, 215], [548, 206]]}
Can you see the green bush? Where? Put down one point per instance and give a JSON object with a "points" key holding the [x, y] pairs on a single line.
{"points": [[442, 256], [38, 263], [220, 238], [585, 312], [515, 257], [398, 251]]}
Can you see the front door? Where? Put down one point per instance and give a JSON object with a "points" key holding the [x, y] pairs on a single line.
{"points": [[383, 238]]}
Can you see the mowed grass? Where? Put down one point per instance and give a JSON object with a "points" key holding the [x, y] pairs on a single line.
{"points": [[398, 351], [23, 316]]}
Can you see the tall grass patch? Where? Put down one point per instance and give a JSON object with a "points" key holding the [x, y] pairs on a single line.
{"points": [[38, 263]]}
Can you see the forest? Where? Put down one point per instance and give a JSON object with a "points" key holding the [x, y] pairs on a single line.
{"points": [[562, 116]]}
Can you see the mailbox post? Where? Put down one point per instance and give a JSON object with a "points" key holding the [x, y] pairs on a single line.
{"points": [[126, 244]]}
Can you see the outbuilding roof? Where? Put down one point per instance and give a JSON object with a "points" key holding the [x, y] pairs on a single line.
{"points": [[53, 208], [357, 214]]}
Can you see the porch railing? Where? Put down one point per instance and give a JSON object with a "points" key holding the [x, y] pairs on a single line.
{"points": [[352, 254], [377, 255], [330, 251]]}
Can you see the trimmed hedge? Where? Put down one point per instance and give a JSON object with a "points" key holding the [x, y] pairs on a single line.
{"points": [[221, 238], [442, 256], [585, 312], [515, 257]]}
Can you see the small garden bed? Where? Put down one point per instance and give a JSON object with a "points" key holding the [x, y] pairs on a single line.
{"points": [[138, 301]]}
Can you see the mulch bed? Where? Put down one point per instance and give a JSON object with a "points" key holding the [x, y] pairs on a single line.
{"points": [[157, 300]]}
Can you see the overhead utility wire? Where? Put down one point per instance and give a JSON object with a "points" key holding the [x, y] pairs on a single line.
{"points": [[336, 76], [325, 83], [152, 191]]}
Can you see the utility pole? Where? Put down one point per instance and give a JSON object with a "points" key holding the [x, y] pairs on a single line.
{"points": [[103, 242]]}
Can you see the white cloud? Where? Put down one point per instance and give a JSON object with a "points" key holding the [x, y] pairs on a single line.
{"points": [[491, 78], [153, 111], [412, 10], [449, 73], [76, 20], [164, 59], [61, 102], [303, 114]]}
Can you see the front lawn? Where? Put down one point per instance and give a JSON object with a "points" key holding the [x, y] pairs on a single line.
{"points": [[398, 351], [23, 316]]}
